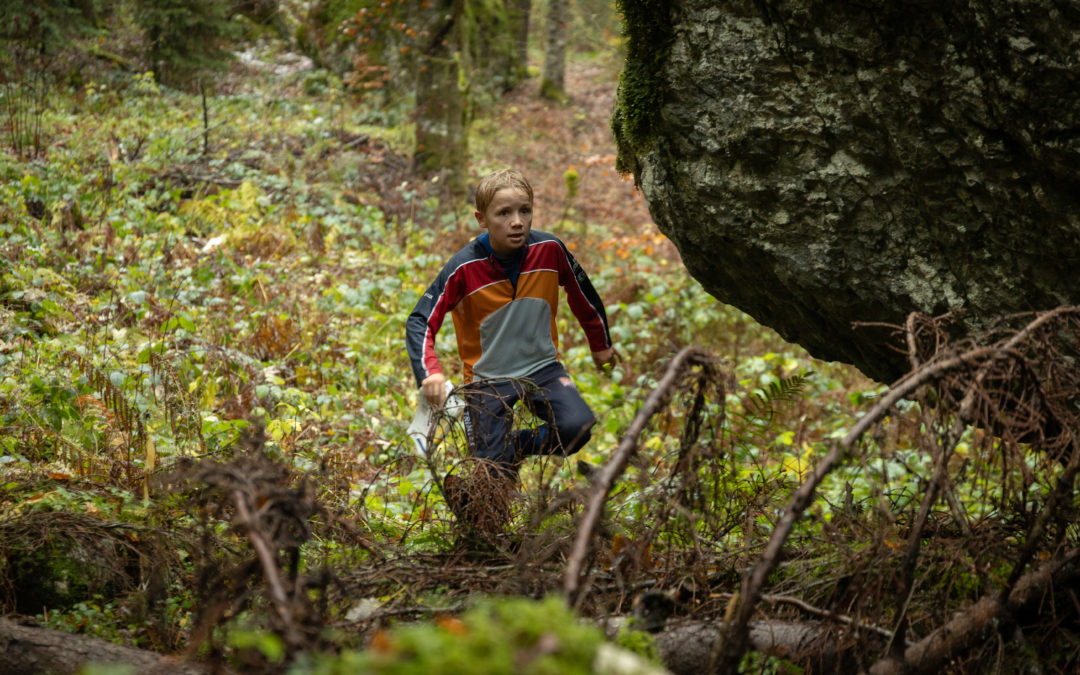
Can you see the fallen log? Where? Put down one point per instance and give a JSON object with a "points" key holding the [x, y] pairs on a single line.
{"points": [[686, 649], [28, 649]]}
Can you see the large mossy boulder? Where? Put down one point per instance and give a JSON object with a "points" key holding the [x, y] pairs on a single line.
{"points": [[822, 162]]}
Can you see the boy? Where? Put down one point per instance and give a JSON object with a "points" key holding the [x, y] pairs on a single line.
{"points": [[502, 290]]}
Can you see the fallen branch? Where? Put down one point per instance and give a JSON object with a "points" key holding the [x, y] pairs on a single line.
{"points": [[382, 614], [686, 646], [734, 639], [266, 557], [933, 652], [826, 614], [733, 642]]}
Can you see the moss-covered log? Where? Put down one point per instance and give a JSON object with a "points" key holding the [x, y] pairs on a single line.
{"points": [[28, 649]]}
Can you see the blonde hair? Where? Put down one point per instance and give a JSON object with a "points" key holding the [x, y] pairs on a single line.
{"points": [[497, 180]]}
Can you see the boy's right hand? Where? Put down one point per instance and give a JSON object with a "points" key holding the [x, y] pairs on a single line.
{"points": [[434, 389], [606, 359]]}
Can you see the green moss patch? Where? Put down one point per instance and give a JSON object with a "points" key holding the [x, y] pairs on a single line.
{"points": [[649, 30]]}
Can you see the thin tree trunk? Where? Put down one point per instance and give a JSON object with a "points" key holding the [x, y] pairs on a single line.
{"points": [[521, 11], [553, 80], [441, 141]]}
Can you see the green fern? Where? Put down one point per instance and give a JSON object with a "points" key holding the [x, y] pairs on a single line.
{"points": [[760, 404]]}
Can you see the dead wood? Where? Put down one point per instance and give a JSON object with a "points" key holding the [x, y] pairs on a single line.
{"points": [[933, 652], [824, 646], [275, 516], [268, 561], [686, 646], [27, 649], [734, 641]]}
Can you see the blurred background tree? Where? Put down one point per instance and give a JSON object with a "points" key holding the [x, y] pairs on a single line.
{"points": [[32, 36], [441, 59], [553, 80], [185, 38], [441, 139]]}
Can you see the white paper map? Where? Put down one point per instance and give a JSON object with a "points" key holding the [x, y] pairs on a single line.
{"points": [[420, 428]]}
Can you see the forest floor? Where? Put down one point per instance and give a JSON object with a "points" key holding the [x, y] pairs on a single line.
{"points": [[237, 280]]}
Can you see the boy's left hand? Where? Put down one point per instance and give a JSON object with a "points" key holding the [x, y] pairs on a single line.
{"points": [[605, 359]]}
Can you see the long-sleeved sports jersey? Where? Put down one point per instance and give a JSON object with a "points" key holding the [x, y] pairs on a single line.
{"points": [[504, 329]]}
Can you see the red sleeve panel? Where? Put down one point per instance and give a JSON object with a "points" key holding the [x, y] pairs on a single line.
{"points": [[427, 317], [582, 297]]}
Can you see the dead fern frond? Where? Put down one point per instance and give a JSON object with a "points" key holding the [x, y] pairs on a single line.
{"points": [[125, 417]]}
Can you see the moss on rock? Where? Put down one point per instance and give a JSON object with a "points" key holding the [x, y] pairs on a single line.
{"points": [[649, 30]]}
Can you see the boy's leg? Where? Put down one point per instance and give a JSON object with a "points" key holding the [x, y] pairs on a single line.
{"points": [[481, 496], [488, 413], [568, 418]]}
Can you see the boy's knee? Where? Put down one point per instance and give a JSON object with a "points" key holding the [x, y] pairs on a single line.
{"points": [[497, 452], [574, 434]]}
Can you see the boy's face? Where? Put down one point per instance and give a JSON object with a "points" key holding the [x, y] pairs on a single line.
{"points": [[508, 219]]}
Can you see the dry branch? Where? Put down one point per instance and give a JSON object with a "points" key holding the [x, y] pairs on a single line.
{"points": [[981, 359], [685, 648], [931, 654], [278, 594], [733, 642]]}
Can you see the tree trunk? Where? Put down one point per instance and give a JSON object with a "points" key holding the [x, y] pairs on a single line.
{"points": [[441, 141], [553, 80], [24, 649], [521, 10]]}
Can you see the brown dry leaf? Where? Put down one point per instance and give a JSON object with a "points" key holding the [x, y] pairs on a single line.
{"points": [[381, 642], [452, 625]]}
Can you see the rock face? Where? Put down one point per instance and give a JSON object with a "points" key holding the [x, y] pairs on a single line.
{"points": [[823, 162]]}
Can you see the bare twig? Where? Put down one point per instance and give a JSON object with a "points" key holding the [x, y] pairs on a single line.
{"points": [[915, 537], [1060, 492], [404, 611], [734, 638], [269, 566], [912, 341], [825, 614]]}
